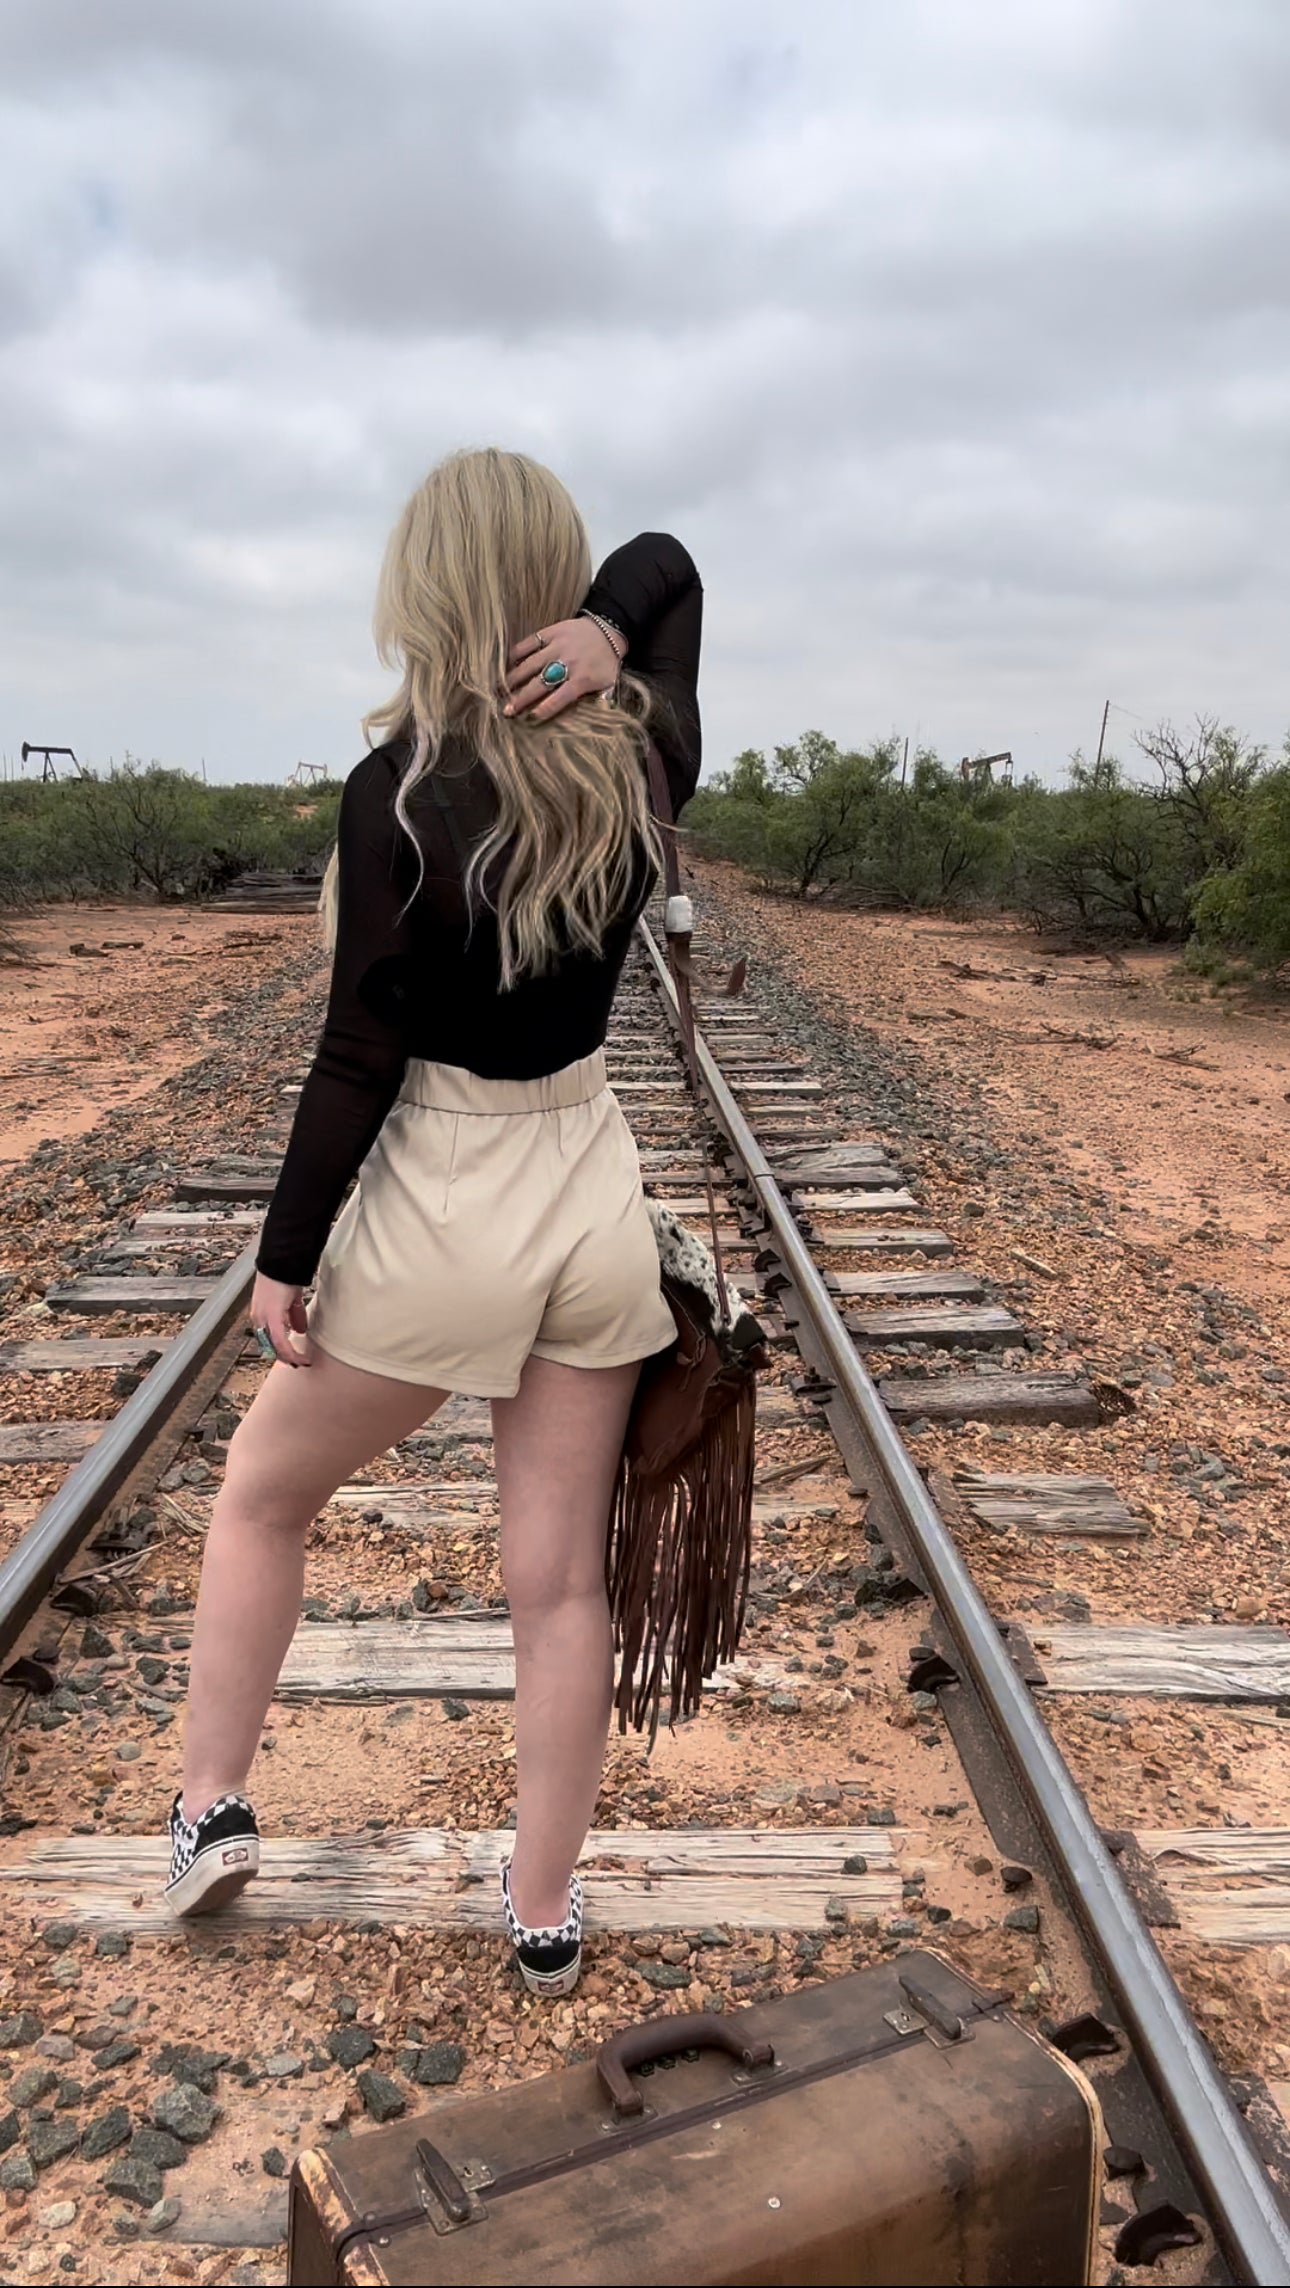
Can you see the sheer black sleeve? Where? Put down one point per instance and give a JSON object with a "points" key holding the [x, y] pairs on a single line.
{"points": [[651, 589], [358, 1066]]}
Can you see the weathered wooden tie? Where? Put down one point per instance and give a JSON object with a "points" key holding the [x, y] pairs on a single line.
{"points": [[965, 1329], [1199, 1866], [911, 1286], [1200, 1663], [47, 1441], [472, 1658], [1059, 1398], [691, 1879], [80, 1354], [1083, 1508], [102, 1296]]}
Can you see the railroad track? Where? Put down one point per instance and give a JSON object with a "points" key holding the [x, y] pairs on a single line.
{"points": [[823, 1224]]}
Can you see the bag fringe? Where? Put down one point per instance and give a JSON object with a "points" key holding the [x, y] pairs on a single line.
{"points": [[677, 1567]]}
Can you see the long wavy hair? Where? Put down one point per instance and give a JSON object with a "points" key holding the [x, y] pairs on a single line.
{"points": [[489, 549]]}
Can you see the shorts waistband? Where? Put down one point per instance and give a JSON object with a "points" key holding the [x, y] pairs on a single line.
{"points": [[451, 1088]]}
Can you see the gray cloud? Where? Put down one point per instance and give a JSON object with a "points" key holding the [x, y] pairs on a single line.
{"points": [[953, 341]]}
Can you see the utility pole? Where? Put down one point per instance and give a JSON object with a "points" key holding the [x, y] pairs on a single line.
{"points": [[1101, 737], [904, 765]]}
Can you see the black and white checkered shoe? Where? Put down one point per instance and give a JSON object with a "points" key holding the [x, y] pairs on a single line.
{"points": [[549, 1959], [211, 1858]]}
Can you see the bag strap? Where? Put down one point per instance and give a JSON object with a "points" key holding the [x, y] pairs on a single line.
{"points": [[677, 930]]}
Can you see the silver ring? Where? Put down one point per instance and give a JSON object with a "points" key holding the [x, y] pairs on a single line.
{"points": [[265, 1342]]}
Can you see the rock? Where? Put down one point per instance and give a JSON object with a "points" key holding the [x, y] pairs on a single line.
{"points": [[667, 1975], [455, 1710], [57, 1936], [274, 2161], [117, 2052], [284, 2065], [714, 1937], [20, 2031], [439, 2064], [50, 2141], [774, 1793], [151, 1669], [10, 2130], [29, 2087], [17, 2173], [162, 2214], [136, 2181], [184, 2061], [783, 1703], [104, 2135], [1022, 1919], [880, 1815], [94, 1644], [59, 2046], [902, 1926], [159, 2147], [1013, 1878], [350, 2045], [128, 1751], [981, 1866], [855, 1864], [383, 2099], [186, 2113], [69, 2092], [57, 2216], [112, 1942]]}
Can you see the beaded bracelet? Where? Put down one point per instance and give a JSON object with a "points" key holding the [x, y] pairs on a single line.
{"points": [[613, 635]]}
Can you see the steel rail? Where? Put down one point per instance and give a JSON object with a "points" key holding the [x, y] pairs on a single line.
{"points": [[1241, 2204], [69, 1517]]}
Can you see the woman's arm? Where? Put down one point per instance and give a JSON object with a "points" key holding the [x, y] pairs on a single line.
{"points": [[359, 1063], [651, 592], [651, 589]]}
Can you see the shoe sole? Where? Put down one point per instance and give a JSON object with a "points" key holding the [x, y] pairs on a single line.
{"points": [[552, 1983], [216, 1877]]}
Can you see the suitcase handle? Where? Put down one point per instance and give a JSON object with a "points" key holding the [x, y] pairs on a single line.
{"points": [[662, 2038]]}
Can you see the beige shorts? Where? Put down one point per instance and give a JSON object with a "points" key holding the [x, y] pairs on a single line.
{"points": [[493, 1219]]}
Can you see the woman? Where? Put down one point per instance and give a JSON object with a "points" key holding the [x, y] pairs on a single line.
{"points": [[494, 852]]}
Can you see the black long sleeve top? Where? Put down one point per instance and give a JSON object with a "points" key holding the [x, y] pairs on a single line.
{"points": [[422, 979]]}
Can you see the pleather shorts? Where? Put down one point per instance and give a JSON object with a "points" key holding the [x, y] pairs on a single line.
{"points": [[493, 1219]]}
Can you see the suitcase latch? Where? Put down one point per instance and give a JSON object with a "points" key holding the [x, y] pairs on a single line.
{"points": [[926, 2014], [449, 2196]]}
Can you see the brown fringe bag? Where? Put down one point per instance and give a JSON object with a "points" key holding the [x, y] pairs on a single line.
{"points": [[680, 1538]]}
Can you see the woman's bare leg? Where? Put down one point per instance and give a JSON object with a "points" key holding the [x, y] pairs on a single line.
{"points": [[557, 1444], [305, 1433]]}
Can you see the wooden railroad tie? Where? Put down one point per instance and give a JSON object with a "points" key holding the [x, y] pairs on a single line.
{"points": [[471, 1657], [752, 1879], [1083, 1508], [1200, 1663], [1199, 1866]]}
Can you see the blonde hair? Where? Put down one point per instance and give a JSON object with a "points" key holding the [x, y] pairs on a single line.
{"points": [[491, 548]]}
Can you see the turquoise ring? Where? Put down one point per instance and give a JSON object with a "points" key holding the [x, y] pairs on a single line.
{"points": [[555, 674]]}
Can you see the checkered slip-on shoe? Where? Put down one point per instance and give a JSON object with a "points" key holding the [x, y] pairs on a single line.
{"points": [[549, 1959], [211, 1858]]}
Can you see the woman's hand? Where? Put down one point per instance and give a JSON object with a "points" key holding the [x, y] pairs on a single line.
{"points": [[588, 654], [280, 1310]]}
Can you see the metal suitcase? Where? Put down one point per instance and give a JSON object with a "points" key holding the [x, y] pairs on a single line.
{"points": [[895, 2126]]}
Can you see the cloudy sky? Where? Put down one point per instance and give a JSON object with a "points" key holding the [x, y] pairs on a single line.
{"points": [[953, 340]]}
